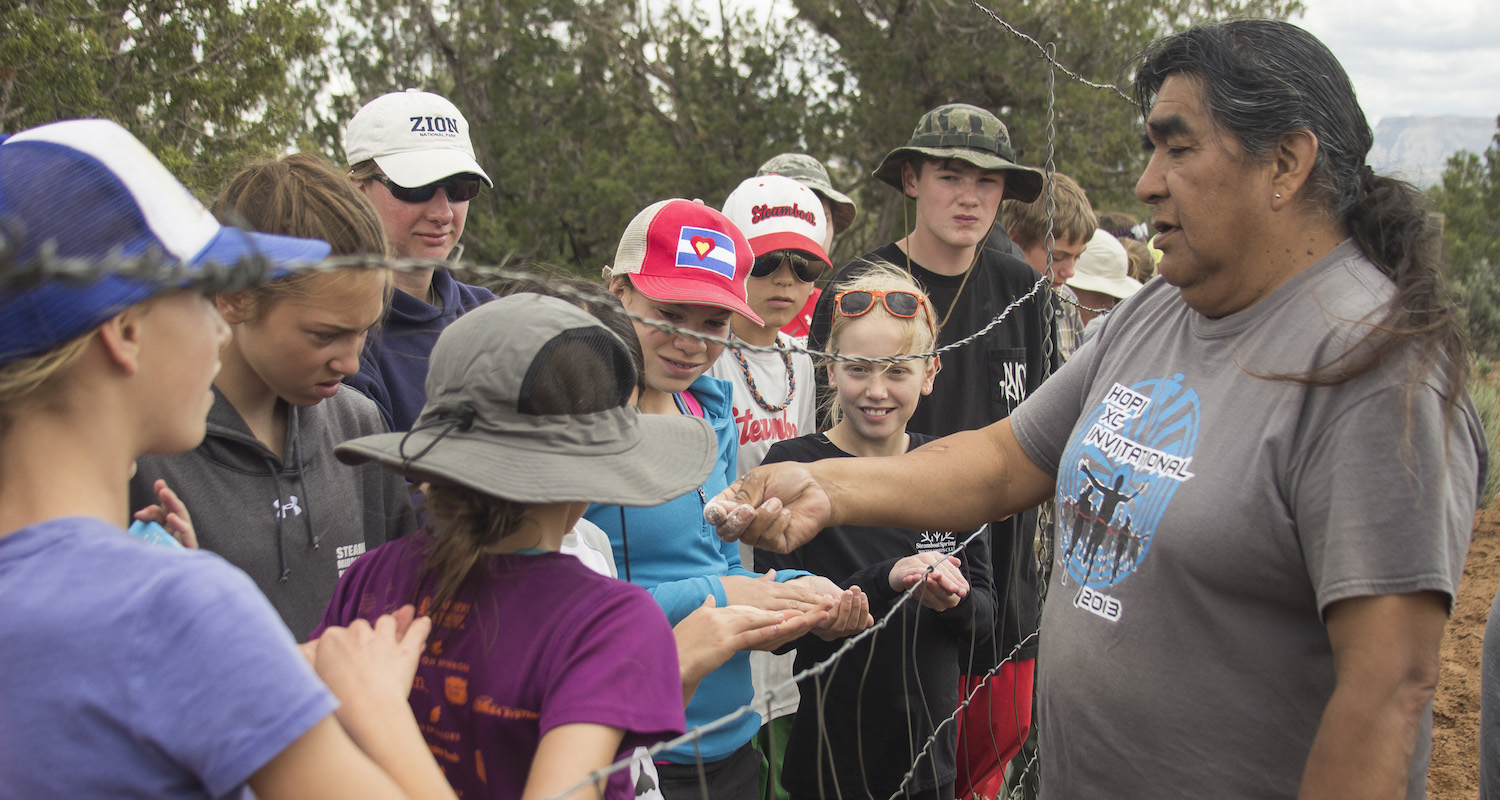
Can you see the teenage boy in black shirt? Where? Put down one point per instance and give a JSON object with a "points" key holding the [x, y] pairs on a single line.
{"points": [[958, 167]]}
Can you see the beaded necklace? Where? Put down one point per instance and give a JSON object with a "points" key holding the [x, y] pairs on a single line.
{"points": [[791, 381]]}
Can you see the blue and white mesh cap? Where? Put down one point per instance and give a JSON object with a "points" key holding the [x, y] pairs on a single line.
{"points": [[88, 189]]}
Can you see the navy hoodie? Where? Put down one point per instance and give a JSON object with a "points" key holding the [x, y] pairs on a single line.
{"points": [[393, 368]]}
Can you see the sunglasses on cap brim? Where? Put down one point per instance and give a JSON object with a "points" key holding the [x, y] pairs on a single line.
{"points": [[459, 188], [897, 302], [807, 270]]}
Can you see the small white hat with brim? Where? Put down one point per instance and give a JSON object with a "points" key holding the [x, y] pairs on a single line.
{"points": [[1104, 267], [778, 213]]}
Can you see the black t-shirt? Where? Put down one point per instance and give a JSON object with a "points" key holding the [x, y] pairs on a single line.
{"points": [[979, 384], [890, 689]]}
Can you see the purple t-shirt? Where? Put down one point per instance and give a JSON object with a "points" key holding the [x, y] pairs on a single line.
{"points": [[131, 670], [542, 642]]}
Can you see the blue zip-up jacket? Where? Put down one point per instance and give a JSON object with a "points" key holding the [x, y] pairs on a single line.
{"points": [[677, 557]]}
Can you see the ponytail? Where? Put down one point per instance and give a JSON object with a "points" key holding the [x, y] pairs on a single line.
{"points": [[1390, 223], [466, 524], [1262, 79]]}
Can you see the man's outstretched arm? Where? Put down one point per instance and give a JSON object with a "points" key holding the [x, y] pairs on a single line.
{"points": [[955, 483]]}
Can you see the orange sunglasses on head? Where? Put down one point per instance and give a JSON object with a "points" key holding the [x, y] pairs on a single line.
{"points": [[898, 303]]}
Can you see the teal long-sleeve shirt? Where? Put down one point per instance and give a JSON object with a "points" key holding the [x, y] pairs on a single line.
{"points": [[675, 555]]}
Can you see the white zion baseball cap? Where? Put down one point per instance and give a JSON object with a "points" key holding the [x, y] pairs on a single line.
{"points": [[415, 137]]}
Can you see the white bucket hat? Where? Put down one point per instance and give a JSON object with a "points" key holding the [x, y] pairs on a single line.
{"points": [[1104, 267]]}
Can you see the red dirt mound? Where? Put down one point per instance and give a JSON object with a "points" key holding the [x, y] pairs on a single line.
{"points": [[1454, 773]]}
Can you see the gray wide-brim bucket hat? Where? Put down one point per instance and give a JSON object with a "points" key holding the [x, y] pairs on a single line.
{"points": [[491, 374], [967, 133], [811, 173]]}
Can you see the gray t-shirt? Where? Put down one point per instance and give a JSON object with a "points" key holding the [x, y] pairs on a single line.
{"points": [[1209, 515]]}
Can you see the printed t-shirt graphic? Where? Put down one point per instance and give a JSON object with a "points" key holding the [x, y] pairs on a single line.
{"points": [[702, 248], [1118, 475]]}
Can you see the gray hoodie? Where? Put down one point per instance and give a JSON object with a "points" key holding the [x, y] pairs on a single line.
{"points": [[292, 526]]}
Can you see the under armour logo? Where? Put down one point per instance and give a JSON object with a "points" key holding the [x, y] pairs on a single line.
{"points": [[289, 506]]}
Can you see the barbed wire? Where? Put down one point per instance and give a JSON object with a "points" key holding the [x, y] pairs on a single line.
{"points": [[1051, 57], [979, 686], [912, 594], [154, 266]]}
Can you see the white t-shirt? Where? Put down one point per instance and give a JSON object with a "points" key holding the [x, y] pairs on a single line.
{"points": [[759, 428], [590, 545]]}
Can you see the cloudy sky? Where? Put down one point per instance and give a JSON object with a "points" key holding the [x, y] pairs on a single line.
{"points": [[1415, 57]]}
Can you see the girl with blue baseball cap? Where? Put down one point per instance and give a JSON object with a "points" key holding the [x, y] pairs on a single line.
{"points": [[132, 670]]}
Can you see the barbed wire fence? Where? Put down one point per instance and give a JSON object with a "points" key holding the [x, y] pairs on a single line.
{"points": [[154, 266]]}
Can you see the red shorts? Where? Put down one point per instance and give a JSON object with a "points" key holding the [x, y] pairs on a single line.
{"points": [[992, 728]]}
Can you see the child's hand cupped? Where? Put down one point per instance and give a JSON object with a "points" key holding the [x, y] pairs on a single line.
{"points": [[764, 592], [850, 615], [711, 634], [945, 585]]}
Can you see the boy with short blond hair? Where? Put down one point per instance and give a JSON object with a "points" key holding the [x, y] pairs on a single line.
{"points": [[1073, 224]]}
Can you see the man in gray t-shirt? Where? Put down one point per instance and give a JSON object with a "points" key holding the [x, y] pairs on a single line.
{"points": [[1266, 461], [1208, 519], [1230, 540]]}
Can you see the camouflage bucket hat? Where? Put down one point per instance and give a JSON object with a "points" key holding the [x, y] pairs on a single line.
{"points": [[967, 133], [811, 173]]}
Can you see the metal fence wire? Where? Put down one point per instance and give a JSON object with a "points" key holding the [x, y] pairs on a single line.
{"points": [[17, 274]]}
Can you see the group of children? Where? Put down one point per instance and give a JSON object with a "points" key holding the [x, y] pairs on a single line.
{"points": [[522, 429], [334, 643]]}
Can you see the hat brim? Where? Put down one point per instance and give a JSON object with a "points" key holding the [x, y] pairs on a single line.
{"points": [[672, 456], [689, 291], [421, 167], [786, 240], [287, 254], [1021, 183], [1116, 287], [844, 209], [56, 311]]}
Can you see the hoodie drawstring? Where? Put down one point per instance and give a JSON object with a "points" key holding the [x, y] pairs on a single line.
{"points": [[296, 425]]}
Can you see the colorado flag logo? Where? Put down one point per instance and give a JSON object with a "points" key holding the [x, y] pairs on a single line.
{"points": [[703, 248]]}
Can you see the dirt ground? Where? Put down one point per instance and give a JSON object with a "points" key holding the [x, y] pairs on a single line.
{"points": [[1454, 773]]}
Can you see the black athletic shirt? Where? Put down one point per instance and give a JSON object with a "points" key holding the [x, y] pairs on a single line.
{"points": [[980, 383], [889, 711]]}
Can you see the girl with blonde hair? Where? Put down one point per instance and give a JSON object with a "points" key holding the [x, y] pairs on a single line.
{"points": [[132, 670]]}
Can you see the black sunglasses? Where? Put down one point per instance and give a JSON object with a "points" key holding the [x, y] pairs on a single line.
{"points": [[458, 188], [807, 270]]}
